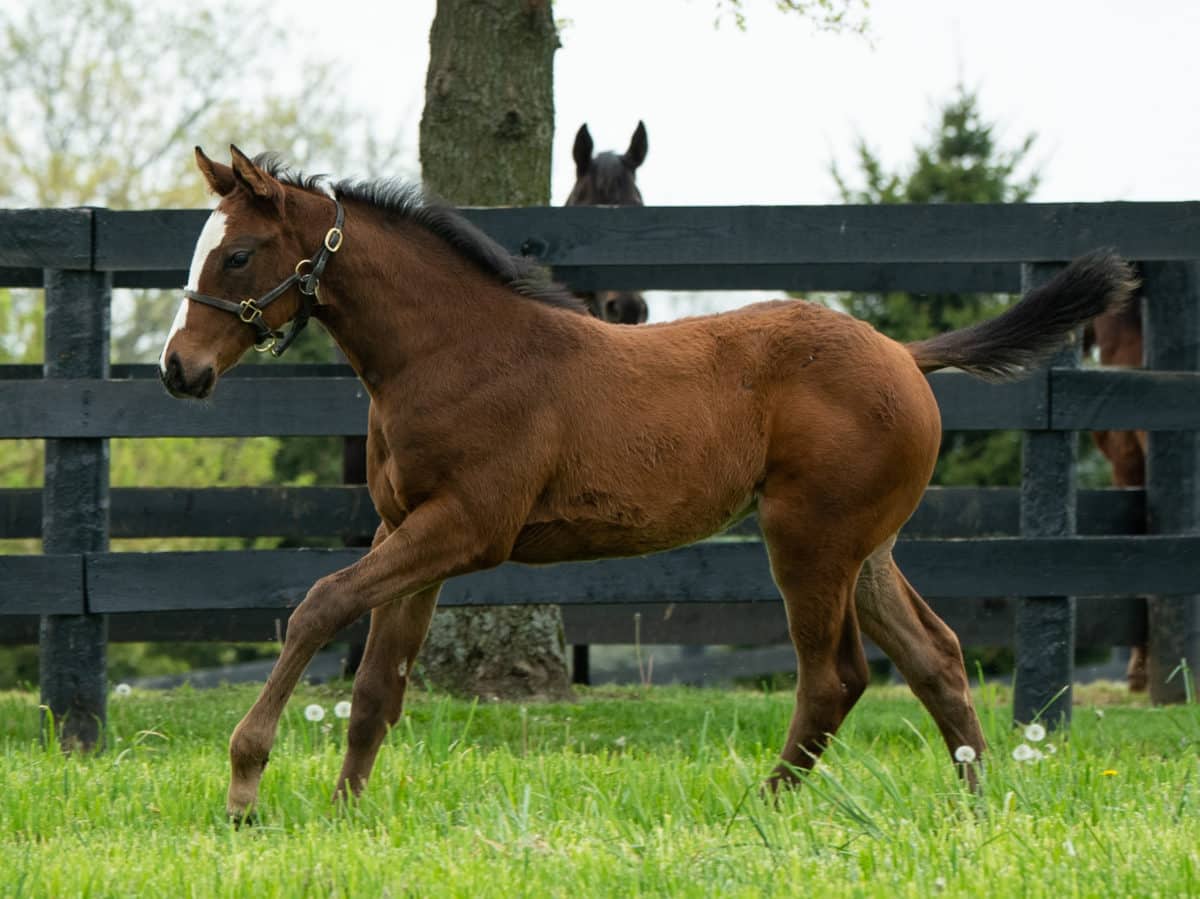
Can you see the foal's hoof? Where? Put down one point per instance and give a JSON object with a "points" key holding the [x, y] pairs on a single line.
{"points": [[240, 819], [785, 777], [782, 779]]}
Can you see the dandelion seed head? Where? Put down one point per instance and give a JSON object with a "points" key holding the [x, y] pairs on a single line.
{"points": [[965, 754], [122, 689], [1070, 847], [342, 709], [314, 712], [1024, 753], [1035, 733]]}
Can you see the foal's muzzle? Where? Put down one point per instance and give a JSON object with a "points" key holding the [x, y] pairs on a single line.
{"points": [[180, 386]]}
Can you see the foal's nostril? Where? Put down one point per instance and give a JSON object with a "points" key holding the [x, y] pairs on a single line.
{"points": [[172, 375], [205, 384]]}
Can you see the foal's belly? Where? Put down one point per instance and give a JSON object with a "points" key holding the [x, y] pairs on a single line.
{"points": [[580, 537]]}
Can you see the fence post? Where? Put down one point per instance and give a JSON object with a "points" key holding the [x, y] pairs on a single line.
{"points": [[1045, 625], [75, 508], [1171, 325]]}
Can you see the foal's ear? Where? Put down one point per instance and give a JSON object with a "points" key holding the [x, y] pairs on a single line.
{"points": [[259, 184], [219, 177], [636, 154], [582, 151]]}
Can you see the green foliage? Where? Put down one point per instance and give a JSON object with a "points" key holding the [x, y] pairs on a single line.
{"points": [[961, 161], [87, 117], [192, 461], [649, 792]]}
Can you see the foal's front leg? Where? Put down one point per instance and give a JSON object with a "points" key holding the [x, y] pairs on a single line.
{"points": [[436, 541]]}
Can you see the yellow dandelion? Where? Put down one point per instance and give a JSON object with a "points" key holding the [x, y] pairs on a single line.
{"points": [[1109, 772]]}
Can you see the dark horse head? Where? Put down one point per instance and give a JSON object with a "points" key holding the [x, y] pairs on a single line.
{"points": [[609, 179]]}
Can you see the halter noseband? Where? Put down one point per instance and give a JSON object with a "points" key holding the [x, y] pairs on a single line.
{"points": [[251, 311]]}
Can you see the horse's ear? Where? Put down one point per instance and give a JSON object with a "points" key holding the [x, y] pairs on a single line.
{"points": [[636, 154], [259, 184], [582, 151], [219, 177]]}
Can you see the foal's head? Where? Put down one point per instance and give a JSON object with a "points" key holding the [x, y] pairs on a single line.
{"points": [[609, 179], [259, 238]]}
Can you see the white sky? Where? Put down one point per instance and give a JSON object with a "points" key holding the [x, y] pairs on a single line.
{"points": [[1109, 86], [756, 117]]}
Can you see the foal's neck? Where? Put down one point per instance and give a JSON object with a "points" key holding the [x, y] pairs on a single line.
{"points": [[397, 298]]}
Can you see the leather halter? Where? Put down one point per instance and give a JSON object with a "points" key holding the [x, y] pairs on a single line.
{"points": [[308, 282]]}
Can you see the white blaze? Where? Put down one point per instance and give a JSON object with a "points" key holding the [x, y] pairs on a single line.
{"points": [[210, 239]]}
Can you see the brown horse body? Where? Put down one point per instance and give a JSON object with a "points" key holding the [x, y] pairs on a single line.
{"points": [[1118, 337], [506, 425]]}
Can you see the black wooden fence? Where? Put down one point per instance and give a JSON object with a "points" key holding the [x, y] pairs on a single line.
{"points": [[971, 551]]}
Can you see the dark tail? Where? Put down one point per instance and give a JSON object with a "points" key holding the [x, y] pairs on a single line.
{"points": [[1023, 337]]}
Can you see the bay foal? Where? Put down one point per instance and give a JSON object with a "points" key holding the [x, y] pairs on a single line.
{"points": [[507, 424]]}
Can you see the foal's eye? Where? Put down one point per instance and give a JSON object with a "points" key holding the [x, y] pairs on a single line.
{"points": [[238, 259]]}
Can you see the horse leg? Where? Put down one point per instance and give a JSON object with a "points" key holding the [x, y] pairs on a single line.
{"points": [[817, 583], [1126, 454], [1132, 473], [397, 631], [437, 540], [925, 650]]}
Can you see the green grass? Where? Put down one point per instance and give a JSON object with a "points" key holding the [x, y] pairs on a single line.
{"points": [[630, 792]]}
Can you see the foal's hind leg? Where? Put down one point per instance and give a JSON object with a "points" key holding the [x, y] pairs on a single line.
{"points": [[817, 583], [397, 631], [920, 644]]}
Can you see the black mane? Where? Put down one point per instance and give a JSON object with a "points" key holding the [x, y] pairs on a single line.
{"points": [[410, 203]]}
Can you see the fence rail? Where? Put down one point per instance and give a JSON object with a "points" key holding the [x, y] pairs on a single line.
{"points": [[973, 550], [313, 512], [1053, 400]]}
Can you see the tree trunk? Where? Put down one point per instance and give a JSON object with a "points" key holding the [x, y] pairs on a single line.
{"points": [[488, 123], [486, 137]]}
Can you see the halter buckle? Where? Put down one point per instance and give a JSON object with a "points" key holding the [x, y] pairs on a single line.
{"points": [[249, 312], [334, 239]]}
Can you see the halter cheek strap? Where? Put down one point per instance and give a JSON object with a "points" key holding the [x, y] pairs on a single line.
{"points": [[307, 281]]}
